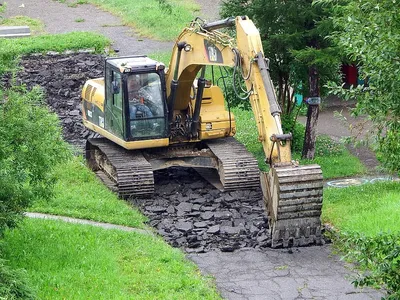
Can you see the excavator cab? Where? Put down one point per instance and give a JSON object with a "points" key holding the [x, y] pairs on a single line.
{"points": [[135, 102], [130, 102]]}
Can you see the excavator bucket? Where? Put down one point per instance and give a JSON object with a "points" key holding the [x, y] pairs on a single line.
{"points": [[293, 197]]}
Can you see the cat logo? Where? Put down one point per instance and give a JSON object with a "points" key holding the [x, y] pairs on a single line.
{"points": [[213, 53]]}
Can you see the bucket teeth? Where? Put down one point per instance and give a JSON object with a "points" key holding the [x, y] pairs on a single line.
{"points": [[293, 197]]}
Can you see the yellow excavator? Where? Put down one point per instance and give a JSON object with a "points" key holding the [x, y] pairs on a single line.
{"points": [[153, 118]]}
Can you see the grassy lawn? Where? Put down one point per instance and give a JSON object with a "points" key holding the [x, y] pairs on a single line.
{"points": [[368, 231], [79, 194], [162, 20], [70, 261], [369, 209], [36, 26], [333, 158]]}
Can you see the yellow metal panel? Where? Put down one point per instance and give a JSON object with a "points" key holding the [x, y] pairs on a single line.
{"points": [[217, 116], [96, 92], [213, 100], [191, 62], [154, 143]]}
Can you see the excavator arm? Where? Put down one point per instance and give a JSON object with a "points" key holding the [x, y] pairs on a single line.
{"points": [[292, 193], [198, 46]]}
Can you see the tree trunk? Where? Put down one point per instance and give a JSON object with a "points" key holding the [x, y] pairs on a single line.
{"points": [[312, 115]]}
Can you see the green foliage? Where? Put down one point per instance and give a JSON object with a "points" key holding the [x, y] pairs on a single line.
{"points": [[72, 261], [30, 145], [326, 146], [13, 284], [11, 49], [333, 157], [293, 34], [74, 179], [368, 33], [367, 218], [290, 124], [165, 6], [378, 258]]}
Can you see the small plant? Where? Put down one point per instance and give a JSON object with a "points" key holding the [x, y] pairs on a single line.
{"points": [[378, 258], [165, 6], [13, 284], [326, 146], [79, 20]]}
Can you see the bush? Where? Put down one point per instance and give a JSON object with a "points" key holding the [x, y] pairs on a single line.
{"points": [[290, 124], [30, 146], [13, 284], [378, 257], [235, 98]]}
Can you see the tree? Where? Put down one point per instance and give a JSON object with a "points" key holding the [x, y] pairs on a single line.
{"points": [[368, 31], [293, 35], [30, 146]]}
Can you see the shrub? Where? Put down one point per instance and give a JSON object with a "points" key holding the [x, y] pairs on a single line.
{"points": [[30, 146], [325, 146], [13, 284], [290, 124], [378, 257]]}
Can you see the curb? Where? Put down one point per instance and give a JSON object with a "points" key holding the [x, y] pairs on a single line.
{"points": [[87, 222]]}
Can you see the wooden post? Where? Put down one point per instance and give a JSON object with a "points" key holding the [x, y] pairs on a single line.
{"points": [[312, 115]]}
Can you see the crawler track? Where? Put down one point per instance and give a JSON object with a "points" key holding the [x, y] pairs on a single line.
{"points": [[237, 167], [128, 171]]}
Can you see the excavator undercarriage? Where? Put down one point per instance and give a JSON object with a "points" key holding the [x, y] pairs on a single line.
{"points": [[130, 172]]}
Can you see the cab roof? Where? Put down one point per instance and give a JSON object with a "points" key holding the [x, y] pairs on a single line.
{"points": [[129, 64]]}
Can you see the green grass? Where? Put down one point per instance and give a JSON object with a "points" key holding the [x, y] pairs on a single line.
{"points": [[334, 159], [36, 26], [334, 166], [11, 49], [70, 261], [162, 20], [366, 219], [368, 209], [79, 194], [161, 56]]}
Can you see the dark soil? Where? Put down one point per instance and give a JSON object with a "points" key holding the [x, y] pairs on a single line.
{"points": [[186, 210], [62, 77]]}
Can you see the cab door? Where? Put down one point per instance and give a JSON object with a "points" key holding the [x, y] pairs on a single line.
{"points": [[114, 112]]}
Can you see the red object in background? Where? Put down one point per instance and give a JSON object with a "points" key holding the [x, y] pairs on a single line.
{"points": [[350, 74]]}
